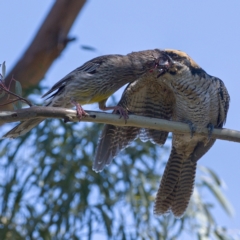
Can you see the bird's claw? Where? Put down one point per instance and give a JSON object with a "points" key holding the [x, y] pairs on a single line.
{"points": [[210, 128], [192, 127], [80, 111], [122, 112]]}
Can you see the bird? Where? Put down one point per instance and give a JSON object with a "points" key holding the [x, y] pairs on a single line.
{"points": [[144, 97], [183, 92], [95, 81]]}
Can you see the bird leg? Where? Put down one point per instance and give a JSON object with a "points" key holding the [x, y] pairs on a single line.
{"points": [[116, 109], [191, 126], [80, 110], [122, 111], [210, 128]]}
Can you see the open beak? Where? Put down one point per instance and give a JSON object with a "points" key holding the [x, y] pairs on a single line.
{"points": [[164, 64]]}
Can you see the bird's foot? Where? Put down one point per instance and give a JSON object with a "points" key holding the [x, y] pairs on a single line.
{"points": [[122, 112], [191, 126], [117, 110], [210, 128], [80, 111]]}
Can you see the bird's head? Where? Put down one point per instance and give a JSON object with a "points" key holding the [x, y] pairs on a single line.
{"points": [[175, 61]]}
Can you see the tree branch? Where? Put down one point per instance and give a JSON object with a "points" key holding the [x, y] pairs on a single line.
{"points": [[49, 42], [108, 118]]}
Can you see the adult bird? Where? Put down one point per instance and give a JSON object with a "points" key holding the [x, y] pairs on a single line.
{"points": [[93, 82], [182, 92]]}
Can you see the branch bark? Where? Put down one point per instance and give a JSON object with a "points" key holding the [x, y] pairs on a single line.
{"points": [[108, 118], [49, 42]]}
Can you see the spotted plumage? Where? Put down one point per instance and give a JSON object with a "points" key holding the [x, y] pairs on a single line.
{"points": [[183, 92]]}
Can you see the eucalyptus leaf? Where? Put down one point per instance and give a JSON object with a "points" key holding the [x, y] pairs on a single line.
{"points": [[18, 91], [74, 202], [88, 48], [220, 197], [213, 175], [2, 93], [4, 70], [18, 88]]}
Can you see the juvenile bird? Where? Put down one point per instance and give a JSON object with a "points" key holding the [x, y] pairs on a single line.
{"points": [[93, 82], [183, 92]]}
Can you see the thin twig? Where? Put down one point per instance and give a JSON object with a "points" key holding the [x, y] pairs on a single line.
{"points": [[14, 100], [4, 88]]}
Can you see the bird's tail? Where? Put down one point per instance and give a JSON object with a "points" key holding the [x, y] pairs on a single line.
{"points": [[22, 128], [176, 185], [113, 139]]}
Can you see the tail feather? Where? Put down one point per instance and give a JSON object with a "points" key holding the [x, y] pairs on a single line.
{"points": [[184, 188], [113, 139], [176, 185], [155, 136], [22, 128], [144, 97]]}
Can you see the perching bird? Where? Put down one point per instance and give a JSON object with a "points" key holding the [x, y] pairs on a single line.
{"points": [[185, 93], [93, 82], [144, 97]]}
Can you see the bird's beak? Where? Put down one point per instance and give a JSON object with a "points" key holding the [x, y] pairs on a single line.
{"points": [[164, 64]]}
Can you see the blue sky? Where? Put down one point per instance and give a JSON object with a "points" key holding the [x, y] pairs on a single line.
{"points": [[207, 30]]}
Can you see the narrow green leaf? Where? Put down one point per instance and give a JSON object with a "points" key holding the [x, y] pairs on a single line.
{"points": [[221, 234], [220, 196], [18, 91], [18, 88], [88, 48], [3, 70], [210, 172], [2, 93]]}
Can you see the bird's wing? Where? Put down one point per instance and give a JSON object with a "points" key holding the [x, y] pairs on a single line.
{"points": [[144, 97], [223, 99], [88, 67], [113, 139]]}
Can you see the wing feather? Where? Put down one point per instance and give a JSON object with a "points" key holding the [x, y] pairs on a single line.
{"points": [[88, 67], [143, 97]]}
